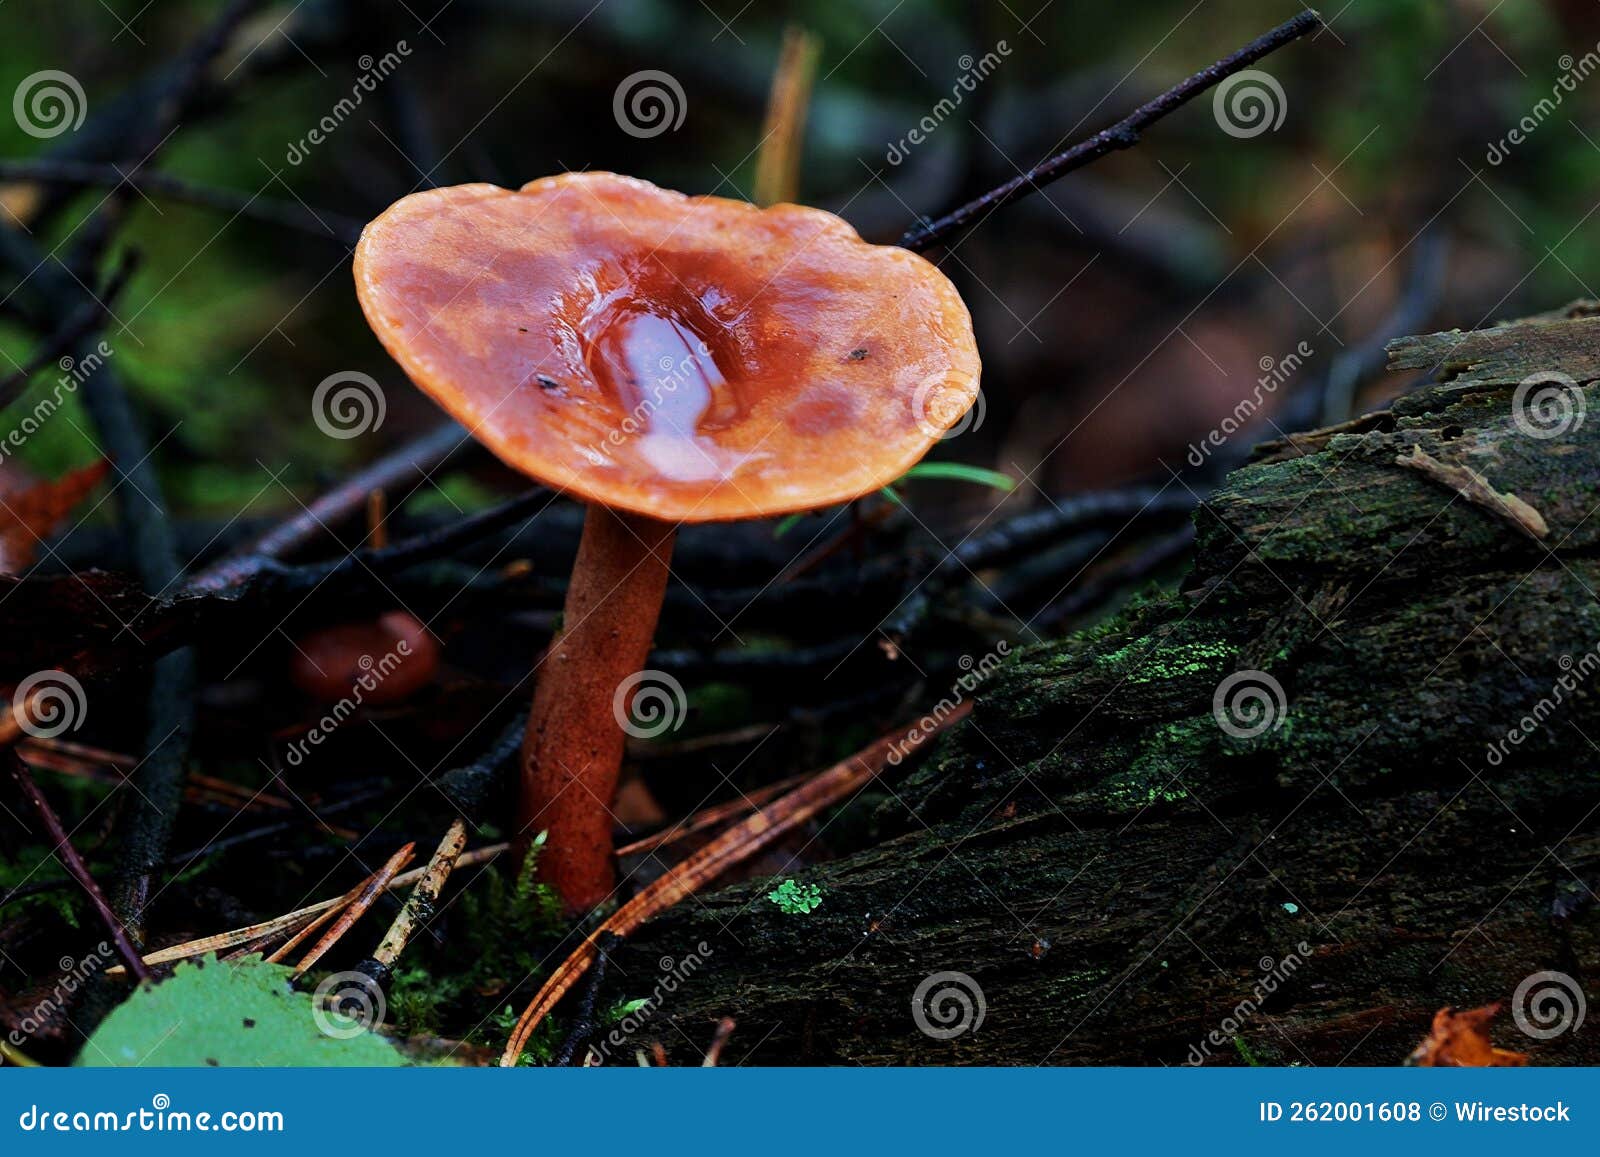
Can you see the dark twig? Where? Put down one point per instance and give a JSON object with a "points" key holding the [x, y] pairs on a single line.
{"points": [[147, 824], [416, 458], [444, 541], [1027, 532], [1124, 134], [145, 829], [83, 321], [1118, 578], [83, 174], [585, 1025], [68, 855], [427, 546], [183, 860], [271, 829], [472, 786], [168, 108]]}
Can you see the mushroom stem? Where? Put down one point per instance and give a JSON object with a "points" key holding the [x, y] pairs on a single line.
{"points": [[572, 750]]}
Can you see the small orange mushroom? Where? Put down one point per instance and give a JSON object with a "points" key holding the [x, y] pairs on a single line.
{"points": [[379, 661], [667, 359]]}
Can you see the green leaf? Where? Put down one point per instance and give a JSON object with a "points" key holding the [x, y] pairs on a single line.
{"points": [[236, 1014], [960, 472], [786, 525], [627, 1009]]}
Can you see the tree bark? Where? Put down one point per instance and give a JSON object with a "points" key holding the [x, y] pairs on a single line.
{"points": [[1117, 873]]}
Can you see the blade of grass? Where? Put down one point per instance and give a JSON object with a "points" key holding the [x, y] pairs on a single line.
{"points": [[961, 472]]}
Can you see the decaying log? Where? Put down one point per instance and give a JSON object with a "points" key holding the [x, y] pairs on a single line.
{"points": [[1415, 826]]}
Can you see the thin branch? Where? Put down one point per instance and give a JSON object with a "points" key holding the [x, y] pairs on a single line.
{"points": [[433, 544], [83, 321], [1124, 134], [584, 1024], [416, 458], [419, 906], [144, 829], [68, 855], [1121, 577], [286, 214], [1063, 518], [167, 111]]}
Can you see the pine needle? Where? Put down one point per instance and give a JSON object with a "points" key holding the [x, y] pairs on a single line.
{"points": [[732, 847]]}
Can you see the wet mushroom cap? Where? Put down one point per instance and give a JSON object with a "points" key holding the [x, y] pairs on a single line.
{"points": [[690, 358]]}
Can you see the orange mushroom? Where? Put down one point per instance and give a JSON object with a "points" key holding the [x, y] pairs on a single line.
{"points": [[376, 661], [667, 359]]}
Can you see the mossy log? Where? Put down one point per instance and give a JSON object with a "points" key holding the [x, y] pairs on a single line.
{"points": [[1415, 827]]}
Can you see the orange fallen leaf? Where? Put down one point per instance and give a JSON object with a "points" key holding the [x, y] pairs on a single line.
{"points": [[1461, 1038], [30, 509]]}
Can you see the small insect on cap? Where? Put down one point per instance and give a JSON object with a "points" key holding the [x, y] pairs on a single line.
{"points": [[694, 359]]}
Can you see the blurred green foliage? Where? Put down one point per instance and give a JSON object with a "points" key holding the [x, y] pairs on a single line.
{"points": [[230, 323]]}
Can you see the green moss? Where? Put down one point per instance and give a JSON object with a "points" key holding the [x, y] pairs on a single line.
{"points": [[502, 932], [1165, 750], [1159, 663]]}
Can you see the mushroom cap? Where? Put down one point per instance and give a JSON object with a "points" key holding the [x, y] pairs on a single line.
{"points": [[394, 651], [695, 359]]}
